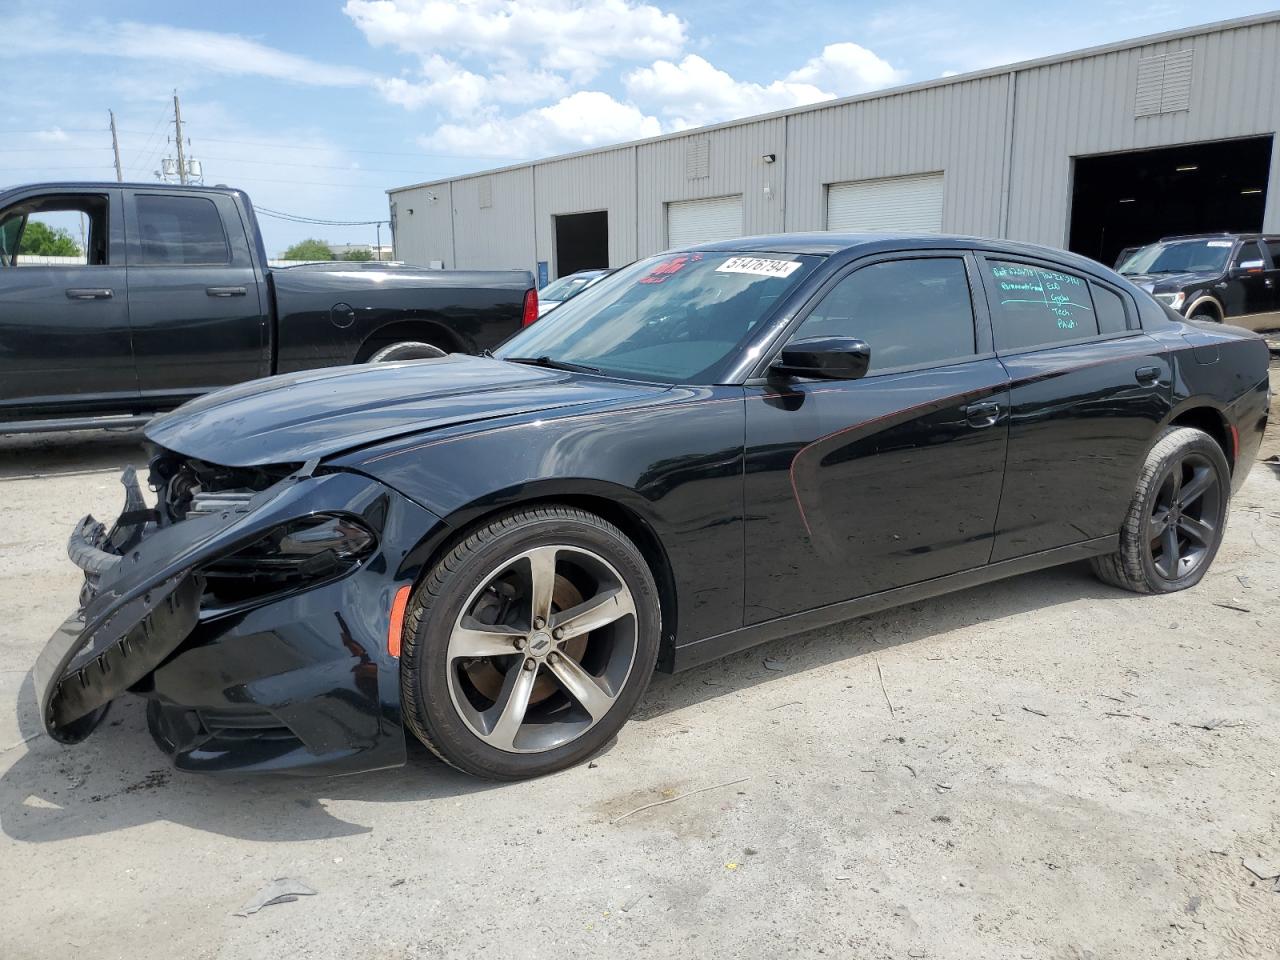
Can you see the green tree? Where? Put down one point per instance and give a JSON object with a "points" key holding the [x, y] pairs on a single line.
{"points": [[309, 250], [41, 240], [359, 254]]}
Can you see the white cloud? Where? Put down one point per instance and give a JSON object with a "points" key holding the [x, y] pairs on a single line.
{"points": [[576, 37], [693, 92], [586, 119], [448, 86], [54, 135], [846, 69]]}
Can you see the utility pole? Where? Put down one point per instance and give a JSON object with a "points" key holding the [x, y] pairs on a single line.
{"points": [[177, 124], [379, 229], [115, 146]]}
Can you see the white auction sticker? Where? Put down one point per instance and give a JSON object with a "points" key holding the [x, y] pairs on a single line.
{"points": [[1222, 243], [760, 266]]}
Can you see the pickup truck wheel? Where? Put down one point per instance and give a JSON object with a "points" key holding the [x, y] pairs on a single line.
{"points": [[407, 350], [528, 645], [1176, 518]]}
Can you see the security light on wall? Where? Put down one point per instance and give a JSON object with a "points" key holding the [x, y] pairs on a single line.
{"points": [[769, 157]]}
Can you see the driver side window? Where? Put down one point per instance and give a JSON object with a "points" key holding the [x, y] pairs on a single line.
{"points": [[912, 313]]}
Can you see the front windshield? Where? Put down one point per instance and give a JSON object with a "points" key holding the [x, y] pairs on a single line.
{"points": [[566, 287], [1179, 256], [675, 318]]}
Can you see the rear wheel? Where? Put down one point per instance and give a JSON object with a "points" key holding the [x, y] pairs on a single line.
{"points": [[528, 645], [1176, 518], [406, 350]]}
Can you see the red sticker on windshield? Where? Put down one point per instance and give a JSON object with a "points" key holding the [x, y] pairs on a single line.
{"points": [[672, 266]]}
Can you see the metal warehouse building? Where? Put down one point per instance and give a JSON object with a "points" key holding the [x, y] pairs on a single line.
{"points": [[1095, 151]]}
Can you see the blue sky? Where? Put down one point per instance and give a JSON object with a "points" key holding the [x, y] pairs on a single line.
{"points": [[317, 107]]}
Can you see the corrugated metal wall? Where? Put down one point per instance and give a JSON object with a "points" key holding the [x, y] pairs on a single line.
{"points": [[1087, 106], [734, 165], [958, 130], [1004, 143], [595, 181]]}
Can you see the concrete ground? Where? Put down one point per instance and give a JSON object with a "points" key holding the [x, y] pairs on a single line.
{"points": [[1066, 772]]}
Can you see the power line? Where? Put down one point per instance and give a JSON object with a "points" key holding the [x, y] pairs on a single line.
{"points": [[298, 218]]}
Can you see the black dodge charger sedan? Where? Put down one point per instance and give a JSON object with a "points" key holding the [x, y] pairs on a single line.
{"points": [[709, 449]]}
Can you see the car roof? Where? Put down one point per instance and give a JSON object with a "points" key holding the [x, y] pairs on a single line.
{"points": [[76, 186], [863, 244], [1223, 234]]}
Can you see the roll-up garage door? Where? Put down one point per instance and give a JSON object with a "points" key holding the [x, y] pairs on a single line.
{"points": [[893, 205], [701, 221]]}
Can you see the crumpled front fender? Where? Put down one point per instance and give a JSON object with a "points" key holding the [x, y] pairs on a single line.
{"points": [[146, 605]]}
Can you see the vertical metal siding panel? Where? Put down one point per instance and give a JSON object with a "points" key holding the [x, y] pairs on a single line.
{"points": [[597, 181]]}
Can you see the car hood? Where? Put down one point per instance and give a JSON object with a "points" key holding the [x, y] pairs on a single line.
{"points": [[316, 413], [1168, 282]]}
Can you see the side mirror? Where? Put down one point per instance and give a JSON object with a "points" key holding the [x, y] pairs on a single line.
{"points": [[824, 358], [1246, 267]]}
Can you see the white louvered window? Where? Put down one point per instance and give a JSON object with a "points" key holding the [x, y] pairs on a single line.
{"points": [[889, 205], [701, 221], [1164, 83]]}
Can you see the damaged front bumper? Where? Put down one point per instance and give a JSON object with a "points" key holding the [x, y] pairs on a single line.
{"points": [[294, 675]]}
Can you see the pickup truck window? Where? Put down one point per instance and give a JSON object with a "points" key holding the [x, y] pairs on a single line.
{"points": [[181, 230], [56, 230]]}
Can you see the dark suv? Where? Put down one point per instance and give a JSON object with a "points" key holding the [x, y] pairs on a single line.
{"points": [[1225, 277]]}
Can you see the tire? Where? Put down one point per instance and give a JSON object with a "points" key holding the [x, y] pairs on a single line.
{"points": [[1182, 461], [1206, 315], [471, 633], [407, 350]]}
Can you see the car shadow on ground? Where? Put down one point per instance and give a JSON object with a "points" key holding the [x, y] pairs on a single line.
{"points": [[26, 455], [117, 779]]}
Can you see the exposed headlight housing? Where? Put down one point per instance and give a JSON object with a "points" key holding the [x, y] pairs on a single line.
{"points": [[1174, 300], [300, 553]]}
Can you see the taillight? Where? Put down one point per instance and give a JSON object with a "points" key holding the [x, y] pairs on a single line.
{"points": [[530, 312]]}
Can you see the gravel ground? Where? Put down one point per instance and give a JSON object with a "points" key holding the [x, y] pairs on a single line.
{"points": [[1066, 772]]}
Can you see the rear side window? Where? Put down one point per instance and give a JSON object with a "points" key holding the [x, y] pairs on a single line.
{"points": [[1273, 248], [1109, 307], [181, 230], [910, 312], [1033, 306]]}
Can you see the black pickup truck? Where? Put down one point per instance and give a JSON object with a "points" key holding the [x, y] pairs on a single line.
{"points": [[175, 297]]}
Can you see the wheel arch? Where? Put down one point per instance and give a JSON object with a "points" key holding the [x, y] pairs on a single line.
{"points": [[611, 502], [1211, 420], [427, 328], [1209, 301]]}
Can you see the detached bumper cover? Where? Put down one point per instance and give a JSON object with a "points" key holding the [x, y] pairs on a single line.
{"points": [[289, 681]]}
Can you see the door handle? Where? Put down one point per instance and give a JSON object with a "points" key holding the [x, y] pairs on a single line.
{"points": [[982, 414], [88, 293], [225, 291], [1147, 375]]}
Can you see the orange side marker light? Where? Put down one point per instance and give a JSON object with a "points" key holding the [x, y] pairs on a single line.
{"points": [[396, 628]]}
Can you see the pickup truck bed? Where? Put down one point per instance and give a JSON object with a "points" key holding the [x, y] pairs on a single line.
{"points": [[176, 298]]}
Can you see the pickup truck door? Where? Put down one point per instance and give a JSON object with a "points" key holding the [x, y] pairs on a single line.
{"points": [[64, 326], [195, 297]]}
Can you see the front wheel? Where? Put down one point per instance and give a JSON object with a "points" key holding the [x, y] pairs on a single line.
{"points": [[529, 644], [1176, 518]]}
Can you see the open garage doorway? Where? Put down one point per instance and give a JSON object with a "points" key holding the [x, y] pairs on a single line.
{"points": [[1124, 200], [582, 242]]}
